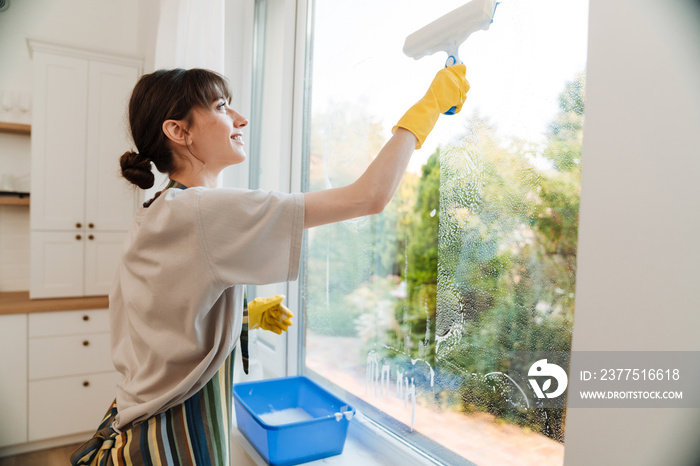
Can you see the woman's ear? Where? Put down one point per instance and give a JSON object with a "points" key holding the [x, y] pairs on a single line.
{"points": [[175, 131]]}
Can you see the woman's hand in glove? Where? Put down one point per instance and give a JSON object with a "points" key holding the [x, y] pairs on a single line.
{"points": [[269, 314], [448, 89]]}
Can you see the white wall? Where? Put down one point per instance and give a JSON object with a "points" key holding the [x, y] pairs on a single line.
{"points": [[125, 27], [639, 248]]}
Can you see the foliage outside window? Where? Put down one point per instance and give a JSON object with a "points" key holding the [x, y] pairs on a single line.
{"points": [[420, 312]]}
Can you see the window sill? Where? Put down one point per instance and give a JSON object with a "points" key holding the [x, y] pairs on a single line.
{"points": [[366, 444]]}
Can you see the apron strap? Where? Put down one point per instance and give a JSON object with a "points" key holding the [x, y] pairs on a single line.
{"points": [[171, 184]]}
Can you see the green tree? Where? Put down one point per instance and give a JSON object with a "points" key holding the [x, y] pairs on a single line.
{"points": [[501, 278], [344, 257], [566, 131]]}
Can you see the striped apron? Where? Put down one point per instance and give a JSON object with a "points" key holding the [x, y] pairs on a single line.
{"points": [[196, 432]]}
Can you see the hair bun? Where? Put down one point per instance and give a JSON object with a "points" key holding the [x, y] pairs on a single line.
{"points": [[137, 169]]}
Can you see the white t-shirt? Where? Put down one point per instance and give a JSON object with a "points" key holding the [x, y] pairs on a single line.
{"points": [[176, 307]]}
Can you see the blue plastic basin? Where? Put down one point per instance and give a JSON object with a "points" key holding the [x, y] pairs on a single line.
{"points": [[294, 442]]}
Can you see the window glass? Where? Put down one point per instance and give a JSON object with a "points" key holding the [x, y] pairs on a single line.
{"points": [[425, 315]]}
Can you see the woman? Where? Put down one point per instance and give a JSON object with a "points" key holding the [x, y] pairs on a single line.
{"points": [[177, 307]]}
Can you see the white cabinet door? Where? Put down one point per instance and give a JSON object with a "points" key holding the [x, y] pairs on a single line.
{"points": [[110, 199], [57, 263], [69, 405], [58, 142], [13, 379], [52, 324], [71, 378], [102, 253], [73, 264], [69, 355], [80, 131]]}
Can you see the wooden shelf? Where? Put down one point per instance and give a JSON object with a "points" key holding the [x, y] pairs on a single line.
{"points": [[14, 201], [15, 128], [18, 302]]}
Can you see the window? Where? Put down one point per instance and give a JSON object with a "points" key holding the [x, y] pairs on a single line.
{"points": [[419, 314]]}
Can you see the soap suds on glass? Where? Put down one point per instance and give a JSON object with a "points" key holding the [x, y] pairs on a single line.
{"points": [[378, 381], [461, 185]]}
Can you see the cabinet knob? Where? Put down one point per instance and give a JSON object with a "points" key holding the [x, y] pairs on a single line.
{"points": [[78, 237], [86, 383], [78, 225], [91, 237], [86, 317], [86, 343], [91, 225]]}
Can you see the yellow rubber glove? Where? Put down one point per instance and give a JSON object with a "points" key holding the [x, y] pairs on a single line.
{"points": [[269, 314], [448, 89]]}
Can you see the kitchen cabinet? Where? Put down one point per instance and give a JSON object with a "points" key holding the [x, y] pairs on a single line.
{"points": [[13, 379], [56, 375], [57, 264], [73, 263], [81, 207], [71, 380]]}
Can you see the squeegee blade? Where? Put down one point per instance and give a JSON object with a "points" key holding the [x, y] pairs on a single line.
{"points": [[450, 30]]}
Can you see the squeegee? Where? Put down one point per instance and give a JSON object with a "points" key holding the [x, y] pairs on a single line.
{"points": [[448, 32]]}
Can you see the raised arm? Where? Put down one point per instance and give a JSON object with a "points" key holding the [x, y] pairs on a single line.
{"points": [[373, 190]]}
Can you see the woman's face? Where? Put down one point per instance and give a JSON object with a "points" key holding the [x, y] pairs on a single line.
{"points": [[216, 135]]}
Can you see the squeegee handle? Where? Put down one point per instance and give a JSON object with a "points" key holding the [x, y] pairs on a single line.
{"points": [[451, 61]]}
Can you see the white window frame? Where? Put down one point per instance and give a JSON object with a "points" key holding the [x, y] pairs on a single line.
{"points": [[272, 354], [284, 356]]}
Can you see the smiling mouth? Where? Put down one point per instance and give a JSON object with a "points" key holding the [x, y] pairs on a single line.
{"points": [[237, 138]]}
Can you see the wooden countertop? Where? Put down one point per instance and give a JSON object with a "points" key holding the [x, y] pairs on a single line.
{"points": [[18, 302]]}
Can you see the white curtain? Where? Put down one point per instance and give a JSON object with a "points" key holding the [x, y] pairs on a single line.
{"points": [[191, 34]]}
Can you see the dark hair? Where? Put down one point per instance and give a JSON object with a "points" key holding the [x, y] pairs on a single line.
{"points": [[157, 97]]}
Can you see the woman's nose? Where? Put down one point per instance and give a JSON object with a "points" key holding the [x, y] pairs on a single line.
{"points": [[239, 121]]}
